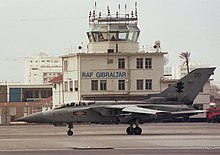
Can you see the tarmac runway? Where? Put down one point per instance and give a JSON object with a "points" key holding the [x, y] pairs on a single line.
{"points": [[157, 138]]}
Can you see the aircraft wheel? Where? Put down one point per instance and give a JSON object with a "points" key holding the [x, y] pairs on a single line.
{"points": [[130, 130], [213, 120], [70, 133], [137, 130]]}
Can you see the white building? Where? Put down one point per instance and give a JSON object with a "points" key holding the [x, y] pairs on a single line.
{"points": [[113, 67], [41, 68]]}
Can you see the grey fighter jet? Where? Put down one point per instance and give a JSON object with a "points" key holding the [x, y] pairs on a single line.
{"points": [[175, 101]]}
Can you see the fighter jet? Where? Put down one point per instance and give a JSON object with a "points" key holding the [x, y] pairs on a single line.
{"points": [[175, 101]]}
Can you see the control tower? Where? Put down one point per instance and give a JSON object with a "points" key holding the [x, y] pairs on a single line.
{"points": [[113, 33]]}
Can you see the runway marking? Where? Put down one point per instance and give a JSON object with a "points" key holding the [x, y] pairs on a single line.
{"points": [[25, 150], [92, 148], [109, 148], [87, 132], [19, 139]]}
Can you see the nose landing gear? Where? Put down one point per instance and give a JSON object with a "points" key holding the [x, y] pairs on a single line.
{"points": [[70, 132]]}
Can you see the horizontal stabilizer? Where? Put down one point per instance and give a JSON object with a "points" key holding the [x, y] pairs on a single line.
{"points": [[188, 112]]}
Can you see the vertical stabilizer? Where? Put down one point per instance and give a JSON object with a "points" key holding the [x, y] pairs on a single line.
{"points": [[187, 88]]}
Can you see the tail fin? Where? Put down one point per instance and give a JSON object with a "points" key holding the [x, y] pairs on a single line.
{"points": [[187, 88]]}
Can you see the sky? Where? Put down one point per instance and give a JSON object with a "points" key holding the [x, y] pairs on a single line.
{"points": [[58, 27]]}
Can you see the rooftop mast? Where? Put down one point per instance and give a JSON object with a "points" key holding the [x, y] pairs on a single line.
{"points": [[113, 18]]}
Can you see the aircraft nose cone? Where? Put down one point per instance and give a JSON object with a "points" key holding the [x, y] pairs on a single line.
{"points": [[33, 118]]}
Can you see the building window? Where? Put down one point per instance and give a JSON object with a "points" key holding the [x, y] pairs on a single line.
{"points": [[121, 84], [11, 111], [121, 63], [71, 85], [110, 61], [148, 63], [139, 63], [65, 65], [43, 94], [45, 79], [55, 86], [94, 85], [148, 84], [76, 85], [29, 94], [140, 84], [103, 84], [36, 94], [26, 110], [65, 85]]}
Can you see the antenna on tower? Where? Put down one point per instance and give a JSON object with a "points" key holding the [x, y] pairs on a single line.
{"points": [[93, 14], [90, 14], [125, 9], [136, 9], [95, 9], [108, 10], [119, 9], [132, 14]]}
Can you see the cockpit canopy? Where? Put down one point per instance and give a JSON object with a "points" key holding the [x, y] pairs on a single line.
{"points": [[113, 32], [75, 104]]}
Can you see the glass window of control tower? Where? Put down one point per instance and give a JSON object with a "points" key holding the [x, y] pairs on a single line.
{"points": [[113, 36], [123, 36], [133, 33], [133, 36], [89, 35], [114, 32], [99, 36]]}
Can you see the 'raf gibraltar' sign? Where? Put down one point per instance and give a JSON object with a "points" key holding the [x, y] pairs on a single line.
{"points": [[103, 74]]}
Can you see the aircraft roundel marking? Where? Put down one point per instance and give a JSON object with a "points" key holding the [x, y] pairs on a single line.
{"points": [[80, 113]]}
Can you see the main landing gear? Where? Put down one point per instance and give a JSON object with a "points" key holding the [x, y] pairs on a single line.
{"points": [[70, 132], [134, 131]]}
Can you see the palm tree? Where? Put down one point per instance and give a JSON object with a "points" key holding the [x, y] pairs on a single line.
{"points": [[184, 56]]}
